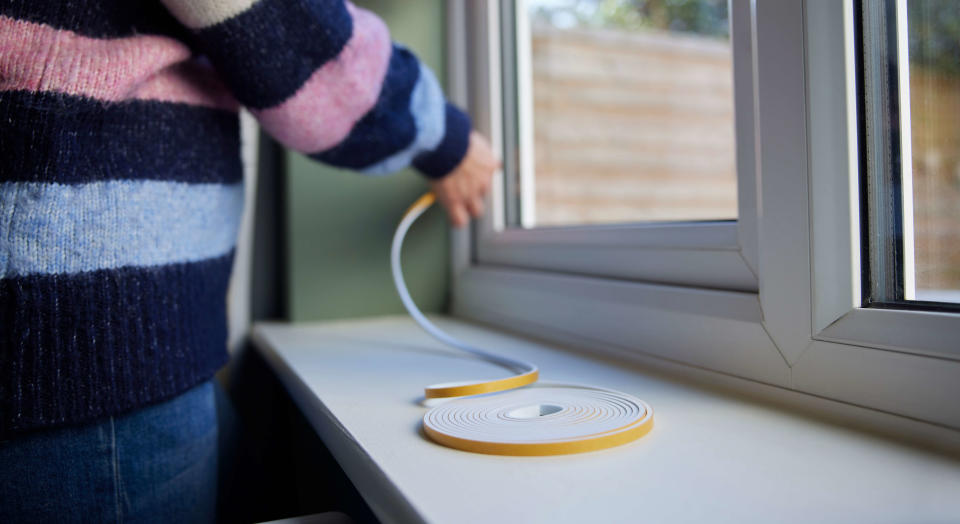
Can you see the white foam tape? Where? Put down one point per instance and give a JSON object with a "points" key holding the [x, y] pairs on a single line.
{"points": [[512, 416]]}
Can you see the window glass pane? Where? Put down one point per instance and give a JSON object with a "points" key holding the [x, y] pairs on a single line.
{"points": [[626, 112], [911, 140], [934, 51]]}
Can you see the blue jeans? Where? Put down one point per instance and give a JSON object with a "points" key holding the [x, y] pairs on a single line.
{"points": [[157, 464]]}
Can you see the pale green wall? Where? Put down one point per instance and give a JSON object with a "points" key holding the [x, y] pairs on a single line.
{"points": [[341, 223]]}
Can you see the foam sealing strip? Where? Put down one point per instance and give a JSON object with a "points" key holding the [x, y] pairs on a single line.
{"points": [[514, 416]]}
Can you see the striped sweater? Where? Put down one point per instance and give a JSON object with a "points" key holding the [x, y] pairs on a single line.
{"points": [[120, 178]]}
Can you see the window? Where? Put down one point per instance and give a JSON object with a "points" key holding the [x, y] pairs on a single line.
{"points": [[863, 225], [780, 291], [911, 82], [644, 209], [820, 239], [624, 112]]}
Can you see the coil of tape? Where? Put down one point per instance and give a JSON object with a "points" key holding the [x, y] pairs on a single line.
{"points": [[511, 416], [536, 421]]}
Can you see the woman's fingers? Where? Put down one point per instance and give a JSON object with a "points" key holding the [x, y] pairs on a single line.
{"points": [[462, 191], [475, 206], [458, 215]]}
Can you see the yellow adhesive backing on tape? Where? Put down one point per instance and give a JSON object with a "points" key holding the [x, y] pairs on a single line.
{"points": [[466, 389], [520, 417]]}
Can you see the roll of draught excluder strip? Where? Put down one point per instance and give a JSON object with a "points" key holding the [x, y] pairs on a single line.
{"points": [[519, 418], [540, 420]]}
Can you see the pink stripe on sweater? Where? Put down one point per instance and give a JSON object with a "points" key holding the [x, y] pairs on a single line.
{"points": [[37, 57], [187, 83], [338, 94]]}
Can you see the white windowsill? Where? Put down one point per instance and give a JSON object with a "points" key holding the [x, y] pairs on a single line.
{"points": [[709, 458]]}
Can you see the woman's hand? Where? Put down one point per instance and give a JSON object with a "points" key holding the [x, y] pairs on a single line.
{"points": [[462, 191]]}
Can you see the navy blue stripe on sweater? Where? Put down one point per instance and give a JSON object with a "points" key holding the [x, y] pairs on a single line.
{"points": [[98, 18], [452, 149], [266, 53], [389, 126], [77, 347], [51, 137]]}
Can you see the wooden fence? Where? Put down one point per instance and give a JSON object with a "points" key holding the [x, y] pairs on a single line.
{"points": [[935, 106], [632, 127]]}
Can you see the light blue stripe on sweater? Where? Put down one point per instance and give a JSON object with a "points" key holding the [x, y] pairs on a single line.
{"points": [[427, 107], [54, 228]]}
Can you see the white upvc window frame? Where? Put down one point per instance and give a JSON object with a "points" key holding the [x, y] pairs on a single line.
{"points": [[901, 361], [835, 179], [717, 255], [773, 298]]}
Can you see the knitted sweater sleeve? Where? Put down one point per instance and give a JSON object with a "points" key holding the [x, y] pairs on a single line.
{"points": [[324, 78]]}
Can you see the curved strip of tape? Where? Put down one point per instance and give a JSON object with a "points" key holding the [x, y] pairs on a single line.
{"points": [[466, 389], [527, 373]]}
